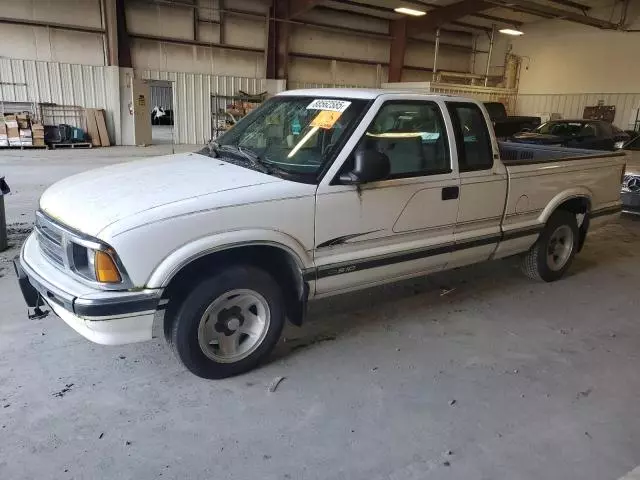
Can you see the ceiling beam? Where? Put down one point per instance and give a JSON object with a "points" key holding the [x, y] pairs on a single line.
{"points": [[493, 18], [439, 16], [569, 3], [298, 7], [507, 21], [390, 11], [378, 17], [528, 6]]}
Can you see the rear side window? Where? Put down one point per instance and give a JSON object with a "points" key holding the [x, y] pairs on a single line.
{"points": [[472, 137]]}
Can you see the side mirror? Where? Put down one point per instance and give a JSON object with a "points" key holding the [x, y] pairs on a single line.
{"points": [[368, 166]]}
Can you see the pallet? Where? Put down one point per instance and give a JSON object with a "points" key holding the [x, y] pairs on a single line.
{"points": [[23, 147], [71, 145]]}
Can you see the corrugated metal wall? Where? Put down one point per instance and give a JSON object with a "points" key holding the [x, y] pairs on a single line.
{"points": [[161, 96], [61, 83], [192, 99], [572, 105]]}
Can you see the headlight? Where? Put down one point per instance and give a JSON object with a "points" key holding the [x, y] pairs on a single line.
{"points": [[618, 145], [95, 265]]}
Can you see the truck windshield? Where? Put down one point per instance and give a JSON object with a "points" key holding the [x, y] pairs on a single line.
{"points": [[297, 135]]}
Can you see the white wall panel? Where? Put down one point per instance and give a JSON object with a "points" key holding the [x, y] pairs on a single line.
{"points": [[85, 12], [61, 83], [568, 58], [159, 20], [321, 42], [51, 45], [192, 99], [572, 105], [151, 55]]}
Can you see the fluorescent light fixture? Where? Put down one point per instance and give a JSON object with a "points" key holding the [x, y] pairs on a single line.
{"points": [[511, 31], [410, 11]]}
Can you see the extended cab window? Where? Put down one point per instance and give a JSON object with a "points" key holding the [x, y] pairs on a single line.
{"points": [[472, 137], [413, 136]]}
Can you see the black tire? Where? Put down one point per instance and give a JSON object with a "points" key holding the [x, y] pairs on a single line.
{"points": [[535, 264], [186, 321]]}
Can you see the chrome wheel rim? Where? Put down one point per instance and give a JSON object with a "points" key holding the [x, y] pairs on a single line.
{"points": [[559, 247], [234, 325]]}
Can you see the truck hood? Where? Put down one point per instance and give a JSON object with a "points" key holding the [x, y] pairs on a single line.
{"points": [[93, 200]]}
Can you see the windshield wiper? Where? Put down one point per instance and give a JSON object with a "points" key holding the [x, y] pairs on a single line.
{"points": [[214, 149], [256, 160]]}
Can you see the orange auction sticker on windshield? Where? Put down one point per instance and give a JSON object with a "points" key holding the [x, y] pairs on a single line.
{"points": [[325, 119]]}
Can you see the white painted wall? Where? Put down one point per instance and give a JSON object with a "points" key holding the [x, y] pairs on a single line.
{"points": [[565, 57], [47, 44]]}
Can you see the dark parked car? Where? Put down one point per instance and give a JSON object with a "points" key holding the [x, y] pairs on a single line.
{"points": [[504, 125], [588, 134]]}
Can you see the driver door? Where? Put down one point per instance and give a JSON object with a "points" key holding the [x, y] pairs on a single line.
{"points": [[396, 227]]}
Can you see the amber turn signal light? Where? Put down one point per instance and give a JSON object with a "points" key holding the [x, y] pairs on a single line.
{"points": [[106, 270]]}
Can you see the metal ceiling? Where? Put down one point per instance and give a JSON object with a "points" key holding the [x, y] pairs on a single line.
{"points": [[502, 12]]}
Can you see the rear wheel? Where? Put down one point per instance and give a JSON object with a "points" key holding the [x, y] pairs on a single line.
{"points": [[551, 256], [228, 323]]}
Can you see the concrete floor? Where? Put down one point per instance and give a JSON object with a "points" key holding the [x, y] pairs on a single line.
{"points": [[501, 378], [162, 134]]}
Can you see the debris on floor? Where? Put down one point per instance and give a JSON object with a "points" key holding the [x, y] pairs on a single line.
{"points": [[452, 402], [585, 393], [273, 386], [446, 291], [298, 343], [62, 392]]}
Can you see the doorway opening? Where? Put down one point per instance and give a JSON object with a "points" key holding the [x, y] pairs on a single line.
{"points": [[162, 112]]}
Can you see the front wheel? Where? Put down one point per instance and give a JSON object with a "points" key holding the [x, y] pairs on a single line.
{"points": [[228, 323], [551, 256]]}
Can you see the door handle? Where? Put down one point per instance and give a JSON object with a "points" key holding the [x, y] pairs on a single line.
{"points": [[450, 193]]}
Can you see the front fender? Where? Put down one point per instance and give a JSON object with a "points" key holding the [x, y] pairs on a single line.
{"points": [[182, 256]]}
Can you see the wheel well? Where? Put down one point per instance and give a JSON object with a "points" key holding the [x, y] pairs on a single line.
{"points": [[276, 261], [579, 206]]}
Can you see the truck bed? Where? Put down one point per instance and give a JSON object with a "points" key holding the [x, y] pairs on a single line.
{"points": [[513, 154]]}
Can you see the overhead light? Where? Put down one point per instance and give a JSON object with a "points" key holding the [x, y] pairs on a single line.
{"points": [[410, 11], [511, 31]]}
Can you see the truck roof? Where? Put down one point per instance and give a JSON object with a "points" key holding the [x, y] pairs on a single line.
{"points": [[361, 93]]}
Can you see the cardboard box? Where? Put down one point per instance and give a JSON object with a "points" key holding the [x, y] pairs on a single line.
{"points": [[11, 120], [38, 142], [23, 120], [102, 128], [92, 126], [3, 129], [4, 140], [25, 133], [37, 130]]}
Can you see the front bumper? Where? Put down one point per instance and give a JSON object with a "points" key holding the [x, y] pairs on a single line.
{"points": [[630, 202], [105, 317]]}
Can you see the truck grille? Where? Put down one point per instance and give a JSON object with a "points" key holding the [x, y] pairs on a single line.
{"points": [[50, 240]]}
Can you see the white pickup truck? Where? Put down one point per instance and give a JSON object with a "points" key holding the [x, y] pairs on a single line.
{"points": [[315, 193]]}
